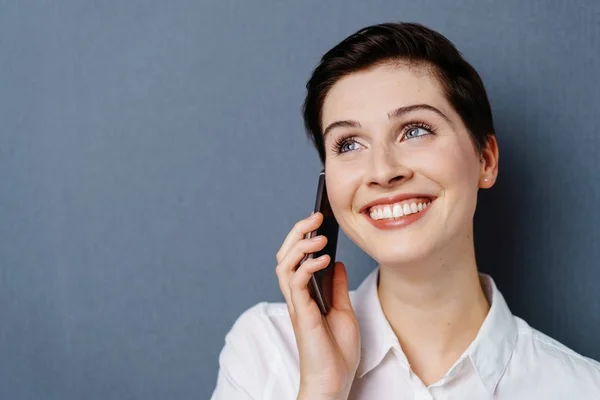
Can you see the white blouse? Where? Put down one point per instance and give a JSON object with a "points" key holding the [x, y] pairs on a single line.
{"points": [[508, 359]]}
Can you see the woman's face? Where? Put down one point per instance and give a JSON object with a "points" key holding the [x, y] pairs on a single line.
{"points": [[393, 138]]}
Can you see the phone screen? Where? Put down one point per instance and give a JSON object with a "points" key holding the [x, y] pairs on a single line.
{"points": [[320, 285]]}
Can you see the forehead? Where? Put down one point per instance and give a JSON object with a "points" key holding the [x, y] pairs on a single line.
{"points": [[372, 93]]}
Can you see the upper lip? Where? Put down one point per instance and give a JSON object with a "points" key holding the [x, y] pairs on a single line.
{"points": [[394, 199]]}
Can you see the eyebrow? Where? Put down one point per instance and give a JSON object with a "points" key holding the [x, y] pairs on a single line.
{"points": [[397, 113]]}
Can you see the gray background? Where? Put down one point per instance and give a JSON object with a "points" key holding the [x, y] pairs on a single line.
{"points": [[152, 159]]}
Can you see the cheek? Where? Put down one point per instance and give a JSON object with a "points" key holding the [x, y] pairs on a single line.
{"points": [[450, 165], [341, 185]]}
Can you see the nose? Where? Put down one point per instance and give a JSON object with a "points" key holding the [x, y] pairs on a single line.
{"points": [[386, 169]]}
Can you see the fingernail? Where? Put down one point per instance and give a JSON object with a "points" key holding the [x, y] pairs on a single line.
{"points": [[316, 238], [313, 216]]}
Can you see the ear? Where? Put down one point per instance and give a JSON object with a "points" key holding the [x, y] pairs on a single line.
{"points": [[489, 163]]}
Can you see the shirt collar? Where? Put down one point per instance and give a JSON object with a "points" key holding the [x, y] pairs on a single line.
{"points": [[495, 342], [376, 334], [489, 352]]}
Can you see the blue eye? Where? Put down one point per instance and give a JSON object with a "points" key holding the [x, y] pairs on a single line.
{"points": [[348, 146], [345, 145], [412, 130], [416, 131]]}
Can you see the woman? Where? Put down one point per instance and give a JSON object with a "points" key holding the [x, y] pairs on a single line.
{"points": [[404, 129]]}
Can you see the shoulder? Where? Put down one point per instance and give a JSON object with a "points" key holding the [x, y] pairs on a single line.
{"points": [[553, 351], [259, 355], [260, 331], [260, 341], [554, 362], [261, 322]]}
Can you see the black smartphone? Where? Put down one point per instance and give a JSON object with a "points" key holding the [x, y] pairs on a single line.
{"points": [[320, 284]]}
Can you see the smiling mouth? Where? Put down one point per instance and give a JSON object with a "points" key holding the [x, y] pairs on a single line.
{"points": [[398, 210]]}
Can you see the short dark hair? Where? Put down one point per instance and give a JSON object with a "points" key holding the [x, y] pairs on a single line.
{"points": [[401, 42]]}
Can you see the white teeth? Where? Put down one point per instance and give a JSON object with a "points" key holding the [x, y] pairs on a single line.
{"points": [[397, 211], [387, 212]]}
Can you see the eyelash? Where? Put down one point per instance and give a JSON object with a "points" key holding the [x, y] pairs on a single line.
{"points": [[341, 141]]}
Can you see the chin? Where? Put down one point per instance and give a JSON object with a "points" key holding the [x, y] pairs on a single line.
{"points": [[400, 255]]}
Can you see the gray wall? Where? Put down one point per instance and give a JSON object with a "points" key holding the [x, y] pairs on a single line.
{"points": [[152, 159]]}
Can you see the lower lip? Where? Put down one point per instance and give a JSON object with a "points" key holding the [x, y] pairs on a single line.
{"points": [[401, 222]]}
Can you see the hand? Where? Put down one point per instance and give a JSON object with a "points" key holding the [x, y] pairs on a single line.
{"points": [[328, 346]]}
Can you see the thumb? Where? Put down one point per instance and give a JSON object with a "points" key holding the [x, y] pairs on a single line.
{"points": [[340, 295]]}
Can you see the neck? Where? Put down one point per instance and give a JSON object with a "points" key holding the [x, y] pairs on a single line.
{"points": [[435, 307]]}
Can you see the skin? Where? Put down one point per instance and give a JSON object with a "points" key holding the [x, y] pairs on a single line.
{"points": [[429, 286]]}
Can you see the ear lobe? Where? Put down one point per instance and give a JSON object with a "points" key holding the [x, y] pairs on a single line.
{"points": [[486, 182]]}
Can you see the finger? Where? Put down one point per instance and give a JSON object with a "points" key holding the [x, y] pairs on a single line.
{"points": [[340, 295], [298, 283], [298, 232], [285, 269], [303, 304]]}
